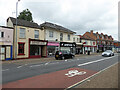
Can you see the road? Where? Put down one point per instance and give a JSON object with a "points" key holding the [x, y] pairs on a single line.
{"points": [[54, 74]]}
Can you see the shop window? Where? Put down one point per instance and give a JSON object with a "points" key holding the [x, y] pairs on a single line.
{"points": [[1, 34], [36, 33], [68, 36], [22, 33], [21, 48], [61, 36], [50, 33]]}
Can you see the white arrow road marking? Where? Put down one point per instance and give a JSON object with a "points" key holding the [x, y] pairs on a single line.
{"points": [[95, 61]]}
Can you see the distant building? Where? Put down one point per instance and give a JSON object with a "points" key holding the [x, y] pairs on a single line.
{"points": [[116, 46], [104, 42], [6, 43]]}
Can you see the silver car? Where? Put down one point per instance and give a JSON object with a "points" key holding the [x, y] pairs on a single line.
{"points": [[108, 53]]}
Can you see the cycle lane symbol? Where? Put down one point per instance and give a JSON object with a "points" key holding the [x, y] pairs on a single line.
{"points": [[73, 73]]}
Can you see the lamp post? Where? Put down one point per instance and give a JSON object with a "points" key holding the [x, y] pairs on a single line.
{"points": [[16, 29]]}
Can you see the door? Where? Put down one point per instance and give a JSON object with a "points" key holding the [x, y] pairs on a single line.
{"points": [[2, 53]]}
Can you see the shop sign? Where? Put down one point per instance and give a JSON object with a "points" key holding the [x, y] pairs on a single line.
{"points": [[68, 45], [38, 43], [53, 44]]}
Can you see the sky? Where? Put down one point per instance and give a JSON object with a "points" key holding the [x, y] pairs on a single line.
{"points": [[77, 15]]}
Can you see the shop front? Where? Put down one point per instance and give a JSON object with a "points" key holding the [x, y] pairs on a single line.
{"points": [[79, 49], [68, 46], [52, 47], [87, 48], [37, 48]]}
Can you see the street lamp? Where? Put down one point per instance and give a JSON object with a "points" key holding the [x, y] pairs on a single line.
{"points": [[16, 29]]}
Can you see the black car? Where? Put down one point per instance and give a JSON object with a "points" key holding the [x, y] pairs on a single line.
{"points": [[63, 54]]}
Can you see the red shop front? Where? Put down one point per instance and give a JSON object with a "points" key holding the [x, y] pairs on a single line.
{"points": [[37, 48]]}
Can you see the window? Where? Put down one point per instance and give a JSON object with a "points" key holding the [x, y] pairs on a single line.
{"points": [[77, 39], [61, 36], [36, 34], [21, 48], [50, 33], [74, 39], [68, 36], [22, 33], [1, 34], [98, 36]]}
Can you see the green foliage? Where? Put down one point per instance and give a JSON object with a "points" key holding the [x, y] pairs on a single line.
{"points": [[26, 15]]}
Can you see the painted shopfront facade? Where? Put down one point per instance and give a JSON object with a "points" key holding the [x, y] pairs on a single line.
{"points": [[6, 43], [30, 39]]}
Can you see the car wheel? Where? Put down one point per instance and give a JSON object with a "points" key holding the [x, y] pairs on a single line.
{"points": [[110, 55], [72, 57], [113, 54], [56, 58], [63, 58]]}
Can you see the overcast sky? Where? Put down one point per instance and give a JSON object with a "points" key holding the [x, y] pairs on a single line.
{"points": [[77, 15]]}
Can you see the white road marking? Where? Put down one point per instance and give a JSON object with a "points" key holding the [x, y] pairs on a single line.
{"points": [[66, 60], [36, 65], [19, 66], [95, 61], [5, 70], [46, 63]]}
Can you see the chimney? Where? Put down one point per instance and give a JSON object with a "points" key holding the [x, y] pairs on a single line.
{"points": [[96, 32], [91, 31]]}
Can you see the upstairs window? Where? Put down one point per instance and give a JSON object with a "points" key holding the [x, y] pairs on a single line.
{"points": [[22, 33], [37, 34], [68, 36], [1, 34], [61, 36], [74, 39], [50, 33]]}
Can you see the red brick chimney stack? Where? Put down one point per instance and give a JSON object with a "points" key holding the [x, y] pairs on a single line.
{"points": [[96, 32]]}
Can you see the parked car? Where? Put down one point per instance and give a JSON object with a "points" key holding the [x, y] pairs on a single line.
{"points": [[108, 53], [63, 54]]}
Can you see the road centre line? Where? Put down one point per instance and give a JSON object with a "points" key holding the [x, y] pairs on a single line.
{"points": [[95, 61], [19, 66], [5, 70]]}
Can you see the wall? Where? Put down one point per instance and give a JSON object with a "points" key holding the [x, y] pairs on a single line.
{"points": [[56, 35], [8, 36], [29, 34]]}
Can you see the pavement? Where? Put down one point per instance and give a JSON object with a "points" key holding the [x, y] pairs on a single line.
{"points": [[105, 79]]}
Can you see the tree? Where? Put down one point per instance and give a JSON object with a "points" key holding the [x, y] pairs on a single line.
{"points": [[26, 15]]}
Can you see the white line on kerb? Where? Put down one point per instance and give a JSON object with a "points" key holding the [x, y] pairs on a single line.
{"points": [[5, 70], [95, 61]]}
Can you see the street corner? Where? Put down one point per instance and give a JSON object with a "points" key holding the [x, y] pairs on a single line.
{"points": [[59, 79]]}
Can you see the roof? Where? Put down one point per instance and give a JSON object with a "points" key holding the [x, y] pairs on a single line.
{"points": [[55, 26], [87, 37], [24, 23], [6, 27]]}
